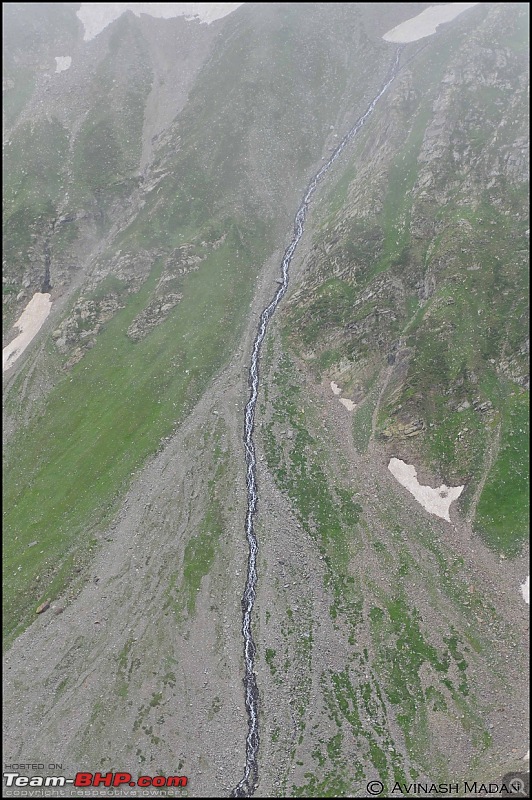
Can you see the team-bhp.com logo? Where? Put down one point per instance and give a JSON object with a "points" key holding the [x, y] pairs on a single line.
{"points": [[86, 779]]}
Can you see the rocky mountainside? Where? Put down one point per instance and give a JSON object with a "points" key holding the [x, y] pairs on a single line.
{"points": [[152, 174], [415, 293]]}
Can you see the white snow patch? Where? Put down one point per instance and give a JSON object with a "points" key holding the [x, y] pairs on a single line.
{"points": [[29, 323], [344, 400], [425, 24], [435, 501], [348, 403], [525, 590], [62, 63], [97, 16]]}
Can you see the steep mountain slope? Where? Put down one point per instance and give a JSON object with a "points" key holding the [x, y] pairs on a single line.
{"points": [[416, 295], [413, 300], [205, 209], [150, 188]]}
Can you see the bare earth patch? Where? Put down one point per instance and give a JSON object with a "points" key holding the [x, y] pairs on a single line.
{"points": [[29, 323], [435, 501]]}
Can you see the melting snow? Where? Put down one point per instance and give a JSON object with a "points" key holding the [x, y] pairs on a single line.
{"points": [[435, 501], [425, 24], [29, 323], [525, 590], [97, 16], [344, 400], [348, 403], [62, 63]]}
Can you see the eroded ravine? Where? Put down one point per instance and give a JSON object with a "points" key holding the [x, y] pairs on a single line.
{"points": [[247, 785]]}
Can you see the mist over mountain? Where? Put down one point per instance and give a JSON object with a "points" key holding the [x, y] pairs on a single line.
{"points": [[155, 158]]}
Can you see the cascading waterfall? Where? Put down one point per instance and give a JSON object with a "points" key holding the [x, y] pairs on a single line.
{"points": [[246, 787]]}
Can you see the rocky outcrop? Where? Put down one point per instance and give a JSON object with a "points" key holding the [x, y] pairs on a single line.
{"points": [[77, 333], [155, 313]]}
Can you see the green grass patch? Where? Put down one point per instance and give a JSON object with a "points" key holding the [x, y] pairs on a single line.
{"points": [[270, 655], [362, 422], [396, 212], [502, 516], [66, 470], [199, 555]]}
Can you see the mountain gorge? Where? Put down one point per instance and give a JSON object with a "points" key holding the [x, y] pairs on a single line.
{"points": [[150, 189]]}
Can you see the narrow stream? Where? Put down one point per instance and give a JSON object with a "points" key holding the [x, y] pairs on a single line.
{"points": [[246, 787]]}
